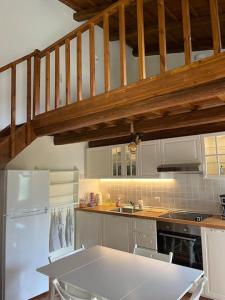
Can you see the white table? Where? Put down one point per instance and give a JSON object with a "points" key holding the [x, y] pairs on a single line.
{"points": [[116, 275]]}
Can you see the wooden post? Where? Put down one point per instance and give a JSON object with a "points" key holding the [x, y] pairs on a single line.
{"points": [[13, 111], [57, 77], [47, 82], [106, 52], [141, 39], [162, 35], [68, 83], [36, 86], [186, 31], [122, 30], [79, 66], [215, 23], [92, 58], [28, 138]]}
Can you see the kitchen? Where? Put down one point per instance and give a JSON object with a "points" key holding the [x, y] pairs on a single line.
{"points": [[112, 150]]}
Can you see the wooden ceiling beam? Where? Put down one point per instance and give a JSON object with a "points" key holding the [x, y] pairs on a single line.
{"points": [[185, 131], [71, 4], [194, 118]]}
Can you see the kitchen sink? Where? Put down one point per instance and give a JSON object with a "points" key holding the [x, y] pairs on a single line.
{"points": [[128, 210]]}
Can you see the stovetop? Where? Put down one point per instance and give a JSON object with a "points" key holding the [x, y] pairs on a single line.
{"points": [[184, 215]]}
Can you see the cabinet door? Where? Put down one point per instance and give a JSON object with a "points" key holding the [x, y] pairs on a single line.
{"points": [[181, 150], [149, 158], [97, 163], [213, 244], [144, 233], [117, 232], [88, 229]]}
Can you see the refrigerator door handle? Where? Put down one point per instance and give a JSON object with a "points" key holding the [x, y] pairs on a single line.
{"points": [[29, 213]]}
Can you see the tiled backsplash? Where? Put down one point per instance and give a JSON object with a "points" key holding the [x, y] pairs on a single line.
{"points": [[190, 192]]}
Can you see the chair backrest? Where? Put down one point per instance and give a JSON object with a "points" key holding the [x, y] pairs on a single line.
{"points": [[53, 257], [153, 254], [199, 289]]}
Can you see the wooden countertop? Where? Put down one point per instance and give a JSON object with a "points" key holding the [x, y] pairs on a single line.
{"points": [[154, 214]]}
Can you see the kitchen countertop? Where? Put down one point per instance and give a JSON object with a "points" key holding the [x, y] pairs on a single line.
{"points": [[154, 214]]}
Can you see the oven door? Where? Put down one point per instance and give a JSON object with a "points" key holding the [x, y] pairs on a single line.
{"points": [[187, 249]]}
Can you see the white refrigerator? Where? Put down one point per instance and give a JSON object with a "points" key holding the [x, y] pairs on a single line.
{"points": [[24, 233]]}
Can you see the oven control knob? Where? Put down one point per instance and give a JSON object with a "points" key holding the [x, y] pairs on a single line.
{"points": [[185, 230]]}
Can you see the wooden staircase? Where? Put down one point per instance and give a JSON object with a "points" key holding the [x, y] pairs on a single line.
{"points": [[186, 100]]}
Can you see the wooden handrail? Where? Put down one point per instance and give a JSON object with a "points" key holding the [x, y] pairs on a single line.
{"points": [[16, 62]]}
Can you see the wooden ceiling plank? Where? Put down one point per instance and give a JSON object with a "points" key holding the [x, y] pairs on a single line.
{"points": [[88, 13], [194, 118]]}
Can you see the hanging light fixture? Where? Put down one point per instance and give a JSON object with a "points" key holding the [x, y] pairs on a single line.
{"points": [[135, 139]]}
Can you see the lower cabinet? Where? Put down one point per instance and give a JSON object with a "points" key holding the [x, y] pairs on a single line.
{"points": [[88, 229], [145, 233], [213, 246], [117, 232]]}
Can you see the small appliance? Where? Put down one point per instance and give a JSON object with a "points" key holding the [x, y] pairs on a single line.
{"points": [[222, 199]]}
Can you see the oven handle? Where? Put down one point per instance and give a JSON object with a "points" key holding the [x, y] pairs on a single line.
{"points": [[178, 237]]}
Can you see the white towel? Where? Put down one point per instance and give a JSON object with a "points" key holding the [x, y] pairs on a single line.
{"points": [[69, 229], [60, 229], [54, 242]]}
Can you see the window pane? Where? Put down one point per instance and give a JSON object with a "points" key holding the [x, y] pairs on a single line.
{"points": [[128, 170], [133, 168], [221, 159], [119, 169], [221, 144], [114, 169], [211, 165], [118, 153], [210, 145]]}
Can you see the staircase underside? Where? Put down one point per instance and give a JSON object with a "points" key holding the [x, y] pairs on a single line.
{"points": [[189, 100]]}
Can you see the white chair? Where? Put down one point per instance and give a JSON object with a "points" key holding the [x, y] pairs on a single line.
{"points": [[64, 295], [199, 289], [75, 292], [153, 254]]}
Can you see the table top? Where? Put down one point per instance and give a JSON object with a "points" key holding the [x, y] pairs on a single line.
{"points": [[116, 275]]}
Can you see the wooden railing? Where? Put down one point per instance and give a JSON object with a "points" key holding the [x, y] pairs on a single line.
{"points": [[37, 58]]}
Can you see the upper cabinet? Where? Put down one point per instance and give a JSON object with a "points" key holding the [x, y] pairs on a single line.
{"points": [[149, 158], [214, 154], [181, 150], [97, 162]]}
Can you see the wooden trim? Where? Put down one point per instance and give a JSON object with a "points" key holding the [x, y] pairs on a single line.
{"points": [[36, 85], [68, 79], [186, 31], [106, 52], [13, 111], [141, 40], [92, 59], [122, 34], [16, 62], [47, 82], [79, 66], [162, 36], [57, 77], [28, 131], [215, 23]]}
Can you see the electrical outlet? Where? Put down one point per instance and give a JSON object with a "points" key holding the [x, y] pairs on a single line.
{"points": [[157, 199]]}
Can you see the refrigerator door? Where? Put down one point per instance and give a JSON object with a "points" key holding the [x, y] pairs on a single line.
{"points": [[27, 191], [26, 249]]}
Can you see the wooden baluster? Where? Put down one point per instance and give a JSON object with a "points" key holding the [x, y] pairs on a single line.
{"points": [[215, 21], [106, 52], [28, 100], [79, 66], [47, 82], [57, 77], [122, 32], [92, 59], [36, 86], [162, 35], [141, 39], [13, 112], [68, 83], [186, 31]]}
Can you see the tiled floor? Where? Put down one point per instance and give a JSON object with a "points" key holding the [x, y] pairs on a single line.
{"points": [[46, 297]]}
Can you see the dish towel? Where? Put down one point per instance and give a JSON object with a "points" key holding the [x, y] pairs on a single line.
{"points": [[54, 242], [60, 229], [69, 228]]}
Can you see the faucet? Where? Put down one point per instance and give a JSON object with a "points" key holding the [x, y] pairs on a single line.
{"points": [[132, 203]]}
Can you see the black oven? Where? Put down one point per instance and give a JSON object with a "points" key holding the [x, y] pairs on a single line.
{"points": [[183, 240]]}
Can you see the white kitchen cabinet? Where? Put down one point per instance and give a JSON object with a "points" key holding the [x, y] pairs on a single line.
{"points": [[145, 233], [97, 162], [181, 150], [149, 158], [213, 245], [88, 229], [117, 232]]}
